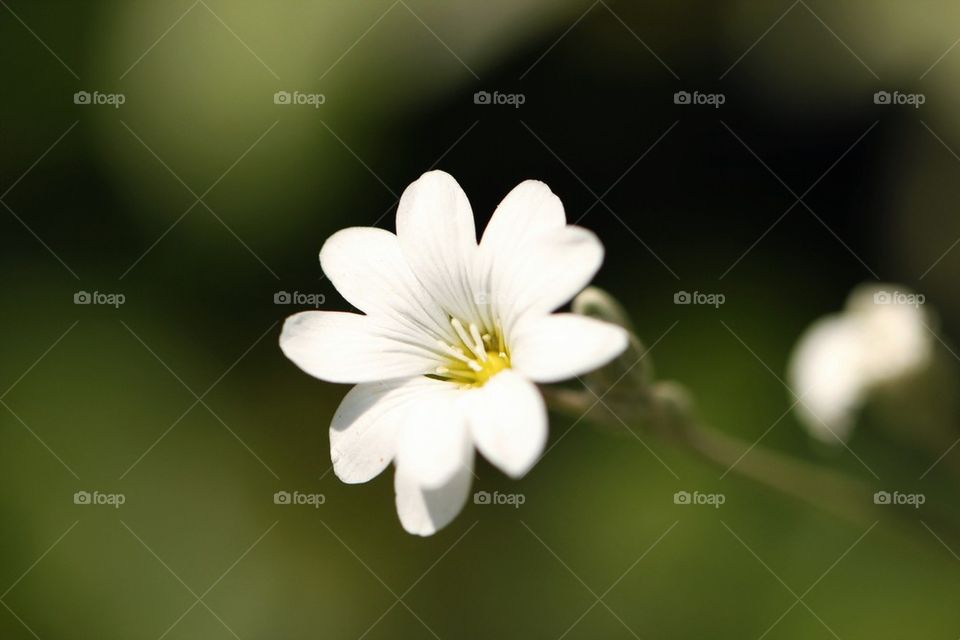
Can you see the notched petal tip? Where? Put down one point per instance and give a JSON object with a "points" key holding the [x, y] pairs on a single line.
{"points": [[423, 512], [535, 194], [437, 174], [348, 239], [433, 185], [344, 473], [290, 332]]}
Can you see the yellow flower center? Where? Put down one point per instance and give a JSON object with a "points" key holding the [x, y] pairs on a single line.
{"points": [[475, 357], [496, 362]]}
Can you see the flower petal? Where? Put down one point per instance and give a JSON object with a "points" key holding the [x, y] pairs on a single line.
{"points": [[363, 432], [425, 511], [508, 422], [544, 274], [528, 211], [430, 446], [560, 267], [367, 267], [347, 347], [826, 373], [563, 345], [439, 240]]}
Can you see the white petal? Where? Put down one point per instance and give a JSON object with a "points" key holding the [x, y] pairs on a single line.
{"points": [[825, 372], [560, 267], [563, 345], [439, 240], [430, 447], [508, 422], [545, 273], [528, 211], [367, 267], [347, 347], [424, 511], [896, 335], [842, 359], [363, 432]]}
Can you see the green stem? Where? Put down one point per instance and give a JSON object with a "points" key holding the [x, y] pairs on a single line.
{"points": [[834, 492], [666, 413]]}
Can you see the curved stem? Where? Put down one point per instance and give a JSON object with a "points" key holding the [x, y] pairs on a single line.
{"points": [[840, 495], [843, 496]]}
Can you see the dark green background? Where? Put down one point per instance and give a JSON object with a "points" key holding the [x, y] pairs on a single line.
{"points": [[199, 318]]}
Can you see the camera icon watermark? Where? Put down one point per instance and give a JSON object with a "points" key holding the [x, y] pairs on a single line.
{"points": [[85, 498], [482, 298], [715, 500], [897, 98], [515, 500], [914, 500], [299, 98], [114, 100], [715, 100], [697, 298], [903, 298], [512, 99], [314, 300], [298, 498], [114, 300]]}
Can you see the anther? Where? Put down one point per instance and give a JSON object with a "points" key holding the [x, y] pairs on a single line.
{"points": [[478, 347]]}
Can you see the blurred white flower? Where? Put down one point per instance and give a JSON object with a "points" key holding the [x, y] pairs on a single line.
{"points": [[454, 336], [881, 336]]}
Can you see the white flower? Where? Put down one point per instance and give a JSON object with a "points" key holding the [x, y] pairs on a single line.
{"points": [[882, 336], [454, 336]]}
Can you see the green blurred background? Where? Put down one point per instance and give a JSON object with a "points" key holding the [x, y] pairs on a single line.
{"points": [[200, 198]]}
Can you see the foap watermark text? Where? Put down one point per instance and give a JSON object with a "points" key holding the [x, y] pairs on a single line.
{"points": [[899, 98], [299, 98], [98, 297], [514, 500], [699, 298], [901, 499], [96, 498], [714, 500], [299, 498], [904, 298], [698, 98], [114, 100], [511, 99], [299, 298]]}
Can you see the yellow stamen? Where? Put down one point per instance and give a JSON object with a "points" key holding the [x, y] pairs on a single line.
{"points": [[474, 357]]}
